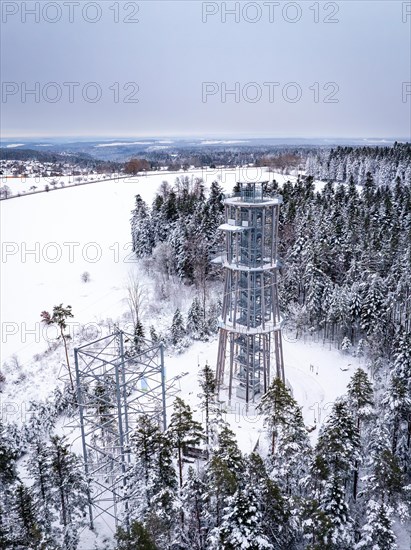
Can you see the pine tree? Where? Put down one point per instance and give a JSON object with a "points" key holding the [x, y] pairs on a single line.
{"points": [[8, 457], [8, 480], [161, 519], [195, 319], [340, 526], [70, 490], [59, 318], [194, 501], [177, 327], [141, 229], [289, 445], [397, 402], [397, 399], [153, 335], [385, 479], [275, 406], [184, 432], [27, 525], [316, 526], [146, 441], [221, 484], [373, 296], [223, 474], [242, 525], [228, 452], [6, 528], [360, 399], [337, 450], [139, 336], [138, 538], [377, 533], [208, 397], [276, 511], [346, 345], [39, 469]]}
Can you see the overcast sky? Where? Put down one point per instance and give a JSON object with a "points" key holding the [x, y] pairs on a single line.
{"points": [[296, 69]]}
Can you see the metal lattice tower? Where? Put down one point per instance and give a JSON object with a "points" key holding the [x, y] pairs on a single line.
{"points": [[250, 325], [116, 382]]}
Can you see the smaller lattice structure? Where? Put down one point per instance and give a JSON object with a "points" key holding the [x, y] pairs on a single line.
{"points": [[117, 380]]}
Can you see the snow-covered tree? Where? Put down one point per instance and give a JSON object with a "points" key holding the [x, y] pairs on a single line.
{"points": [[194, 505], [360, 396], [242, 524], [222, 474], [59, 317], [289, 444], [69, 494], [146, 440], [141, 229], [337, 449], [276, 509], [184, 432], [177, 327], [40, 471], [136, 538], [196, 320], [339, 532], [208, 398], [377, 532], [27, 523]]}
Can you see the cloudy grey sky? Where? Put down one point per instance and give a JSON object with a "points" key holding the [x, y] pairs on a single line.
{"points": [[295, 69]]}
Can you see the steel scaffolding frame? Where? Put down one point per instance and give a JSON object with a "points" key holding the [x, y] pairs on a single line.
{"points": [[116, 381], [250, 324]]}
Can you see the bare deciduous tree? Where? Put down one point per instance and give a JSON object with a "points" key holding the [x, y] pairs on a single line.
{"points": [[136, 298]]}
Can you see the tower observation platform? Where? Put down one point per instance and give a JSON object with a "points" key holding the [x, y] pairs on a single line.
{"points": [[250, 324]]}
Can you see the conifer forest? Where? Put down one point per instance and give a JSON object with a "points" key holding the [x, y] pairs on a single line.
{"points": [[345, 283]]}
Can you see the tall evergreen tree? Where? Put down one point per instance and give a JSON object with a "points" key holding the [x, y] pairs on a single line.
{"points": [[137, 538], [69, 494], [177, 327], [194, 503], [242, 525], [360, 399], [337, 449], [377, 532], [289, 445], [184, 432], [27, 530], [208, 397]]}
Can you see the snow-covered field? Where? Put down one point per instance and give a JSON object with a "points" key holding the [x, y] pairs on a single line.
{"points": [[22, 185], [50, 239]]}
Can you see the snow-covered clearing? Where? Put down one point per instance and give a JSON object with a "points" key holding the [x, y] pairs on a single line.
{"points": [[50, 239]]}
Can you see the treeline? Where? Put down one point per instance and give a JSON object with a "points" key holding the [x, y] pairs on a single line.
{"points": [[79, 160], [347, 261], [343, 164], [346, 254], [179, 231], [343, 494], [47, 513], [258, 155]]}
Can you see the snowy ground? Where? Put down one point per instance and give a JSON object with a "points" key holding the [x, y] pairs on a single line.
{"points": [[50, 239]]}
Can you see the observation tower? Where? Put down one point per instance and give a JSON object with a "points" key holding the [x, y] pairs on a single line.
{"points": [[250, 324]]}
